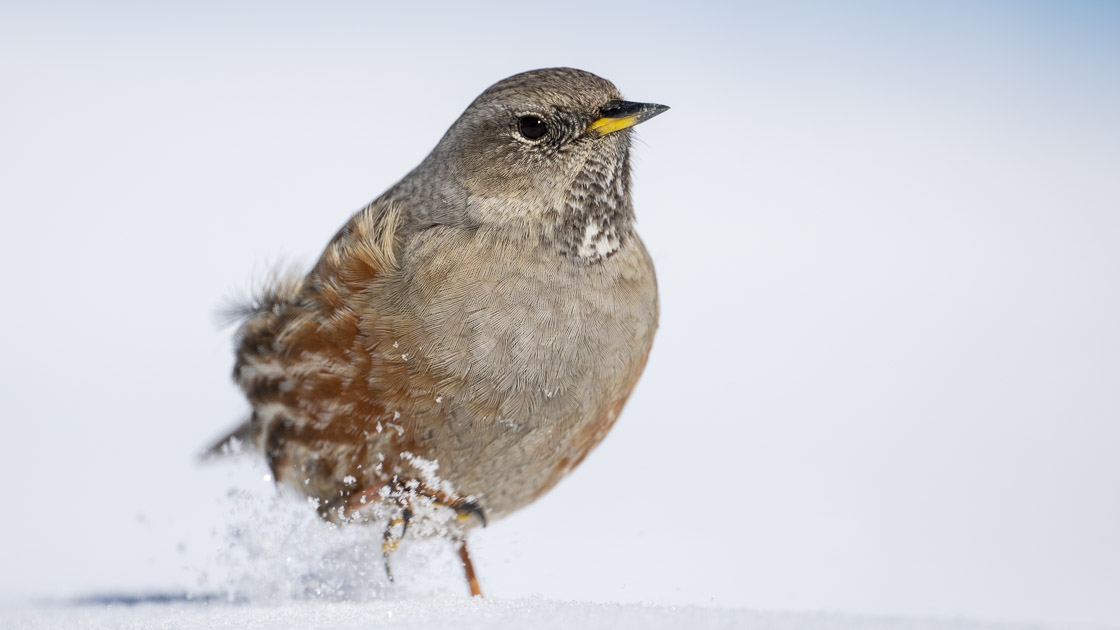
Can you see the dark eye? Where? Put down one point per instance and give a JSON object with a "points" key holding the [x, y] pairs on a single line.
{"points": [[532, 127]]}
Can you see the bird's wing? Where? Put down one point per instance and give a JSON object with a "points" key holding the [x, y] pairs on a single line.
{"points": [[363, 249], [288, 313]]}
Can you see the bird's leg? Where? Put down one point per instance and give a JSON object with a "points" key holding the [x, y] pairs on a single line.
{"points": [[374, 494], [388, 546], [389, 542], [463, 508], [468, 567]]}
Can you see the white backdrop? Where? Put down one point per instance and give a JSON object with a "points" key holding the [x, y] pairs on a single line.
{"points": [[887, 238]]}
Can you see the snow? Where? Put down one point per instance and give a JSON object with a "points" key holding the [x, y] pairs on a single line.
{"points": [[460, 613], [279, 566]]}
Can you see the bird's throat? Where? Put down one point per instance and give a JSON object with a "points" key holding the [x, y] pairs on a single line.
{"points": [[597, 216]]}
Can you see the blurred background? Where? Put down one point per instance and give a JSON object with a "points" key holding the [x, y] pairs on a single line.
{"points": [[888, 243]]}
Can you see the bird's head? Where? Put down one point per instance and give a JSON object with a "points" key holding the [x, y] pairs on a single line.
{"points": [[539, 143]]}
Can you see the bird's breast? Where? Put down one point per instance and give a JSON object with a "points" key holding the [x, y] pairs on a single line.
{"points": [[526, 357]]}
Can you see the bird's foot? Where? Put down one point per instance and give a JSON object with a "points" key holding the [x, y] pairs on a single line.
{"points": [[464, 510], [390, 542], [403, 494]]}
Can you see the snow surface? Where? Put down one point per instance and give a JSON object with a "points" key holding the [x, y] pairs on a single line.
{"points": [[460, 613], [277, 565]]}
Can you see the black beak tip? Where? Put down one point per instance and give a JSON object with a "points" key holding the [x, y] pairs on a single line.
{"points": [[621, 109]]}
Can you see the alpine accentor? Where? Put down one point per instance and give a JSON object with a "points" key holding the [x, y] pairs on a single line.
{"points": [[469, 336]]}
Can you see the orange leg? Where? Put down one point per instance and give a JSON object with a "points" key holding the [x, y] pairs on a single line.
{"points": [[465, 510], [468, 568]]}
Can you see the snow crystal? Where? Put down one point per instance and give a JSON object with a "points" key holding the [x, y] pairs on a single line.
{"points": [[276, 549]]}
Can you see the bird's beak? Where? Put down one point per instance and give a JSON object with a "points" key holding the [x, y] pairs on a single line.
{"points": [[619, 115]]}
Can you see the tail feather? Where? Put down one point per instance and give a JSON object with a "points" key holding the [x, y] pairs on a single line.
{"points": [[280, 287], [260, 317], [236, 442]]}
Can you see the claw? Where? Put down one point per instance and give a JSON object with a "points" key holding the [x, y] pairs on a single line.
{"points": [[406, 516], [389, 542], [468, 508]]}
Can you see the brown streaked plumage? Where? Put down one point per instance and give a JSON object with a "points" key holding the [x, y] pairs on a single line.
{"points": [[467, 338]]}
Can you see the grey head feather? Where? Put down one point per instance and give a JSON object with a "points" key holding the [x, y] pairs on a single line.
{"points": [[560, 189]]}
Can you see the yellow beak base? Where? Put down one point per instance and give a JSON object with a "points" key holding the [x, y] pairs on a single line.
{"points": [[603, 126]]}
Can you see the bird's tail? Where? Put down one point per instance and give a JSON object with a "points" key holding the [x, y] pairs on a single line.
{"points": [[236, 442], [258, 317]]}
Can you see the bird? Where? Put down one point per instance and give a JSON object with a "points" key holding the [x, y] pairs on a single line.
{"points": [[468, 337]]}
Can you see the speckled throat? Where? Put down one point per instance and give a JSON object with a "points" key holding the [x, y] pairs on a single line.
{"points": [[597, 217]]}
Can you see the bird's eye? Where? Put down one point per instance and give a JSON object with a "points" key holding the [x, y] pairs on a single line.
{"points": [[532, 127]]}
